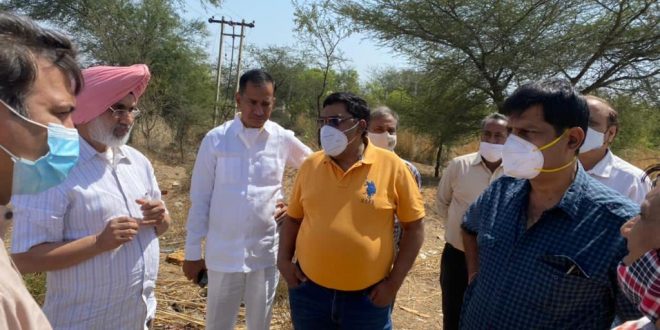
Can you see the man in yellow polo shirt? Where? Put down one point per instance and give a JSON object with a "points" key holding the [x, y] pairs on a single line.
{"points": [[340, 222]]}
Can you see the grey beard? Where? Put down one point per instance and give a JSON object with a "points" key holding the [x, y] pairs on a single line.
{"points": [[102, 133]]}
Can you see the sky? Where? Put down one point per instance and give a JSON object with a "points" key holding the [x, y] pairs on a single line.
{"points": [[273, 21]]}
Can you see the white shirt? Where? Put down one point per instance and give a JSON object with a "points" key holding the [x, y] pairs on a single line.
{"points": [[621, 176], [464, 179], [235, 186], [113, 290]]}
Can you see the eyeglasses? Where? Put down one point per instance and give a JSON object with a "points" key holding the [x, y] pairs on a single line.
{"points": [[333, 121], [135, 112]]}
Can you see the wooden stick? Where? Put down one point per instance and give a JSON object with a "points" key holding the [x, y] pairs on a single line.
{"points": [[183, 317], [412, 311]]}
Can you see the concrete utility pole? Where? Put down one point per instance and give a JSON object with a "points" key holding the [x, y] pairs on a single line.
{"points": [[240, 51], [222, 23]]}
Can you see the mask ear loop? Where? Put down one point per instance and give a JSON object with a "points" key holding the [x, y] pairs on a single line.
{"points": [[21, 116], [553, 142], [553, 170], [348, 129], [13, 157]]}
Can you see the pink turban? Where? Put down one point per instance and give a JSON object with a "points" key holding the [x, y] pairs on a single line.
{"points": [[105, 86]]}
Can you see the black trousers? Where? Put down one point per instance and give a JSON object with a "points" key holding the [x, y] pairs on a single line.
{"points": [[453, 282]]}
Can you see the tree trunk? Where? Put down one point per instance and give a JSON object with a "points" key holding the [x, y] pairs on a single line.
{"points": [[438, 160]]}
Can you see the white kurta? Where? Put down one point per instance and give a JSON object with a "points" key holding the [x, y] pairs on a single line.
{"points": [[236, 183]]}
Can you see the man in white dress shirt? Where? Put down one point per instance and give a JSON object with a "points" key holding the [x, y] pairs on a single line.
{"points": [[96, 233], [599, 161], [236, 185]]}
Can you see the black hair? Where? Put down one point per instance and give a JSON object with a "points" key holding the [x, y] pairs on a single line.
{"points": [[562, 106], [653, 173], [22, 43], [257, 77], [355, 105]]}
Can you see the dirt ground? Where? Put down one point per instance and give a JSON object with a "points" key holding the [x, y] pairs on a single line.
{"points": [[181, 304]]}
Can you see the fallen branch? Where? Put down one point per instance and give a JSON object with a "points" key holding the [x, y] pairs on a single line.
{"points": [[412, 311]]}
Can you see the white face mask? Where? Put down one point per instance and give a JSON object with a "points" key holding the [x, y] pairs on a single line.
{"points": [[593, 140], [383, 140], [334, 141], [491, 152], [524, 160]]}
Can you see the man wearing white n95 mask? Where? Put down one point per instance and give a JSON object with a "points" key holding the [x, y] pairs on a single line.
{"points": [[464, 179], [543, 241], [383, 124], [599, 161]]}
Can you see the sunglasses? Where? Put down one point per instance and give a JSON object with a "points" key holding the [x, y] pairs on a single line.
{"points": [[333, 121]]}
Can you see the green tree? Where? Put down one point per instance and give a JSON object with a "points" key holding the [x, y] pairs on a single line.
{"points": [[321, 31], [122, 32], [638, 123], [285, 64], [448, 112], [500, 44], [431, 103]]}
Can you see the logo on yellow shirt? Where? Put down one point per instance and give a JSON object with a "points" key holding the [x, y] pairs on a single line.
{"points": [[369, 192]]}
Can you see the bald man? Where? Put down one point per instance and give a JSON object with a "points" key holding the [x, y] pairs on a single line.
{"points": [[599, 161]]}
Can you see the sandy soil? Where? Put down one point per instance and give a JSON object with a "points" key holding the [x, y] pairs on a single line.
{"points": [[181, 304]]}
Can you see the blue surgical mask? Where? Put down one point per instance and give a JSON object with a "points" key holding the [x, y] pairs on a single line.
{"points": [[31, 177]]}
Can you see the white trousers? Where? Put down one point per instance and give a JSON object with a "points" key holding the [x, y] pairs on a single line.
{"points": [[226, 292]]}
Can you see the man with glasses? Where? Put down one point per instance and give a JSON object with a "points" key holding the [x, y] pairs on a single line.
{"points": [[96, 234], [235, 189], [339, 225]]}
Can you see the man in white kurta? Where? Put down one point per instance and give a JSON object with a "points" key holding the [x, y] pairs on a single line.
{"points": [[236, 184], [96, 234]]}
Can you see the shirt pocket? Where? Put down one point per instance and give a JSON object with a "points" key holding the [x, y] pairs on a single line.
{"points": [[228, 169], [566, 288], [268, 170]]}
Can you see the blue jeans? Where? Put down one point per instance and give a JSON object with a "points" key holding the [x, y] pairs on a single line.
{"points": [[319, 308]]}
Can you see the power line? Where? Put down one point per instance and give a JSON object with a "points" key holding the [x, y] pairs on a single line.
{"points": [[233, 35]]}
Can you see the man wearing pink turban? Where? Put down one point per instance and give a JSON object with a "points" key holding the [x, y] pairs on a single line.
{"points": [[96, 234]]}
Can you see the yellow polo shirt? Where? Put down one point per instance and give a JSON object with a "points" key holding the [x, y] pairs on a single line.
{"points": [[345, 240]]}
